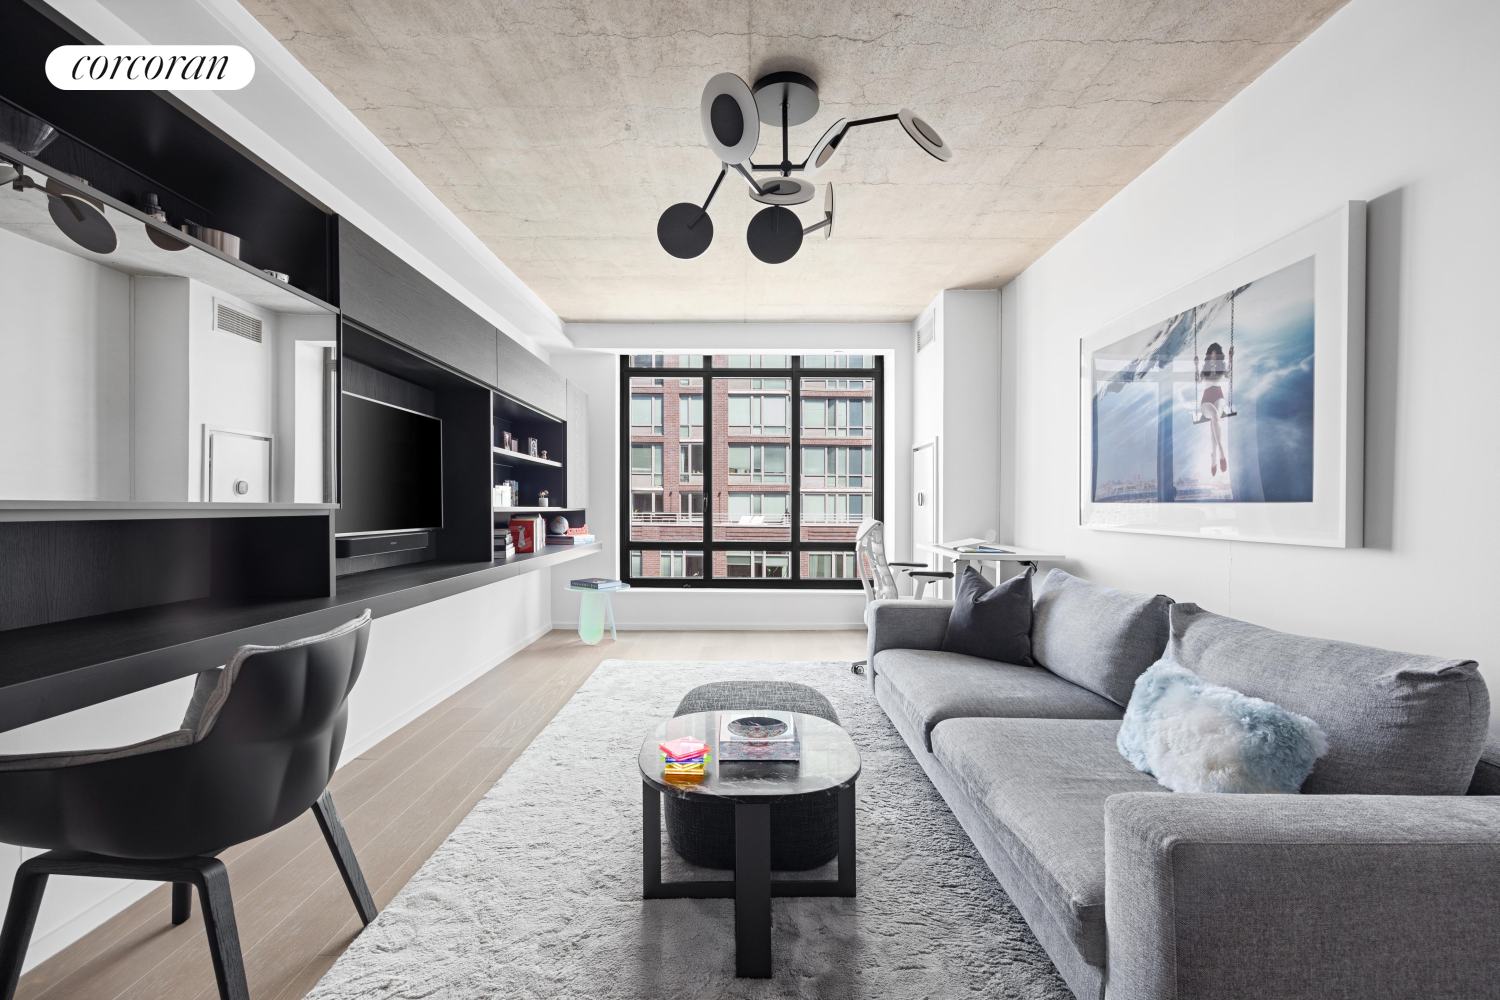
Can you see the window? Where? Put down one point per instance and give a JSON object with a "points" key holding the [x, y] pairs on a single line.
{"points": [[837, 468], [830, 566], [837, 417], [758, 508], [757, 463], [645, 465], [752, 361], [690, 416], [692, 465], [758, 414], [777, 463], [645, 414], [668, 564], [833, 508], [838, 361], [758, 565]]}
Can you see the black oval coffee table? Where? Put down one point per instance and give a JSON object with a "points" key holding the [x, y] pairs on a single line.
{"points": [[829, 765]]}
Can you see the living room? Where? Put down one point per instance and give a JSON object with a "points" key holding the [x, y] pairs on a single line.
{"points": [[382, 618]]}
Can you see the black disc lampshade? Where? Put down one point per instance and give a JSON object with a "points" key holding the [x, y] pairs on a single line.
{"points": [[774, 235], [731, 123], [685, 230], [80, 220]]}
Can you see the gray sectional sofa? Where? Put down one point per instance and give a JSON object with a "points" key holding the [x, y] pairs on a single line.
{"points": [[1381, 880]]}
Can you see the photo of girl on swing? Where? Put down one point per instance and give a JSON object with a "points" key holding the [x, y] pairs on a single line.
{"points": [[1214, 404]]}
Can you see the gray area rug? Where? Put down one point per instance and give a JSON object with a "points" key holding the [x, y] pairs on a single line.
{"points": [[537, 893]]}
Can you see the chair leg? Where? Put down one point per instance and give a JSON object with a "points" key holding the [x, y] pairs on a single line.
{"points": [[223, 934], [182, 902], [20, 920], [343, 856]]}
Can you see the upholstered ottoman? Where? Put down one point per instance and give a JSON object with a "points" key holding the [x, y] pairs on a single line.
{"points": [[804, 832]]}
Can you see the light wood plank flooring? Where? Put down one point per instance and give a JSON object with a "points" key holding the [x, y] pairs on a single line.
{"points": [[399, 801]]}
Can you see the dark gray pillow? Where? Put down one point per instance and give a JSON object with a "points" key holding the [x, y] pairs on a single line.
{"points": [[1098, 638], [991, 621]]}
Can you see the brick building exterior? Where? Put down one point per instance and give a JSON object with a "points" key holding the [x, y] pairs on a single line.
{"points": [[751, 460]]}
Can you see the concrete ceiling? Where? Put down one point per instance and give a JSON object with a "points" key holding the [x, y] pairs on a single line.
{"points": [[559, 131]]}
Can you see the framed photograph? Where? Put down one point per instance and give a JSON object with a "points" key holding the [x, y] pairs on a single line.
{"points": [[531, 447], [1234, 407]]}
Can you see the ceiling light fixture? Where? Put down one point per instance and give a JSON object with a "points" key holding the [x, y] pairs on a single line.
{"points": [[731, 114]]}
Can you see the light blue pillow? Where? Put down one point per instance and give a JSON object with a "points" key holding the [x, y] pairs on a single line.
{"points": [[1193, 736]]}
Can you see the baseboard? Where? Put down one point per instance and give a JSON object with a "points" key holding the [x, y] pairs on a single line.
{"points": [[354, 748], [44, 946], [702, 626]]}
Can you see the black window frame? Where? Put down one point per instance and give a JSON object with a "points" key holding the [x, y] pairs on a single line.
{"points": [[796, 547]]}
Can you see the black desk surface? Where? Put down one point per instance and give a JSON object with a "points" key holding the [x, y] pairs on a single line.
{"points": [[46, 670]]}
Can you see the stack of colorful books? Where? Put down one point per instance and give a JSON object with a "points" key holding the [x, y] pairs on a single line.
{"points": [[683, 759]]}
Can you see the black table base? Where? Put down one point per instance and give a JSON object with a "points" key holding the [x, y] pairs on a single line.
{"points": [[752, 887]]}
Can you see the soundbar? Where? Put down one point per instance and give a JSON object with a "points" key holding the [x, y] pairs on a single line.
{"points": [[370, 545]]}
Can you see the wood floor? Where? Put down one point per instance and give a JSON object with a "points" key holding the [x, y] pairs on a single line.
{"points": [[399, 801]]}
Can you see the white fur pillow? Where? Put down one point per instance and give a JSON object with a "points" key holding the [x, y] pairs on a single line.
{"points": [[1194, 736]]}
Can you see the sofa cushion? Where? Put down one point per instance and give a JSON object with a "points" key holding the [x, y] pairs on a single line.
{"points": [[1397, 723], [991, 620], [1040, 785], [1099, 638], [930, 686]]}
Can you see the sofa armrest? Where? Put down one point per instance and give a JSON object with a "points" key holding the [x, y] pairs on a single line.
{"points": [[1487, 773], [905, 624], [1301, 896]]}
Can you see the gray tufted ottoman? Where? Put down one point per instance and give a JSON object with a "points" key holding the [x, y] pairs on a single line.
{"points": [[804, 832]]}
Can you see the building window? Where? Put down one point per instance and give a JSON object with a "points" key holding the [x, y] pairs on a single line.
{"points": [[758, 414], [837, 418], [691, 473], [837, 468], [645, 414], [758, 565], [777, 464], [690, 417], [833, 508], [645, 465], [831, 566], [758, 508], [757, 463]]}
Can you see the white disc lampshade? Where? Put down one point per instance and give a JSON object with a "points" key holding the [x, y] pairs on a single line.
{"points": [[731, 123], [784, 191], [925, 135]]}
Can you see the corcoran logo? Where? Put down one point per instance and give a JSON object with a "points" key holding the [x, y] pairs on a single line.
{"points": [[150, 67]]}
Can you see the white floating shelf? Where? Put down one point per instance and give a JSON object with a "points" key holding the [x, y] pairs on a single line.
{"points": [[532, 510], [521, 456]]}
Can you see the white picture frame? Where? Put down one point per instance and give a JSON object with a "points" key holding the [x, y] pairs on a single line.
{"points": [[1332, 516]]}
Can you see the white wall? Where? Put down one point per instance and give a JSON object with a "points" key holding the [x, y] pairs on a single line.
{"points": [[596, 369], [415, 659], [64, 375], [1392, 102]]}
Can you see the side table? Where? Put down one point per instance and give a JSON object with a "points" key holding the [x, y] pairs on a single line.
{"points": [[592, 611]]}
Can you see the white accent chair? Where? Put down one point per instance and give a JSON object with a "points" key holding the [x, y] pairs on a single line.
{"points": [[874, 571]]}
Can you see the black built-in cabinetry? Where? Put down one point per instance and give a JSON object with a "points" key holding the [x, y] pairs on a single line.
{"points": [[99, 599]]}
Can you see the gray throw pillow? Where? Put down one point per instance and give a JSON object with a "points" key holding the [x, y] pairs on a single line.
{"points": [[991, 621], [1098, 638]]}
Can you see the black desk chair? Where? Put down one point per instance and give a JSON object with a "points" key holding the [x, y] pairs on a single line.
{"points": [[257, 746]]}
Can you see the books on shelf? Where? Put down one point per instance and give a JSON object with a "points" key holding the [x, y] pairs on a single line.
{"points": [[597, 583], [525, 531], [570, 539]]}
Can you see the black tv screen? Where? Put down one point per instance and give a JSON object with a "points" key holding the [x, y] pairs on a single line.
{"points": [[391, 469]]}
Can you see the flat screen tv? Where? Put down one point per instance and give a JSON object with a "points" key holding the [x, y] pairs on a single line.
{"points": [[391, 469]]}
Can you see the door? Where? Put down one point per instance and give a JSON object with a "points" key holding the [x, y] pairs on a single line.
{"points": [[239, 466], [924, 507]]}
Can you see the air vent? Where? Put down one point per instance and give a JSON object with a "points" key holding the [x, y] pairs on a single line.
{"points": [[927, 332], [233, 321]]}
